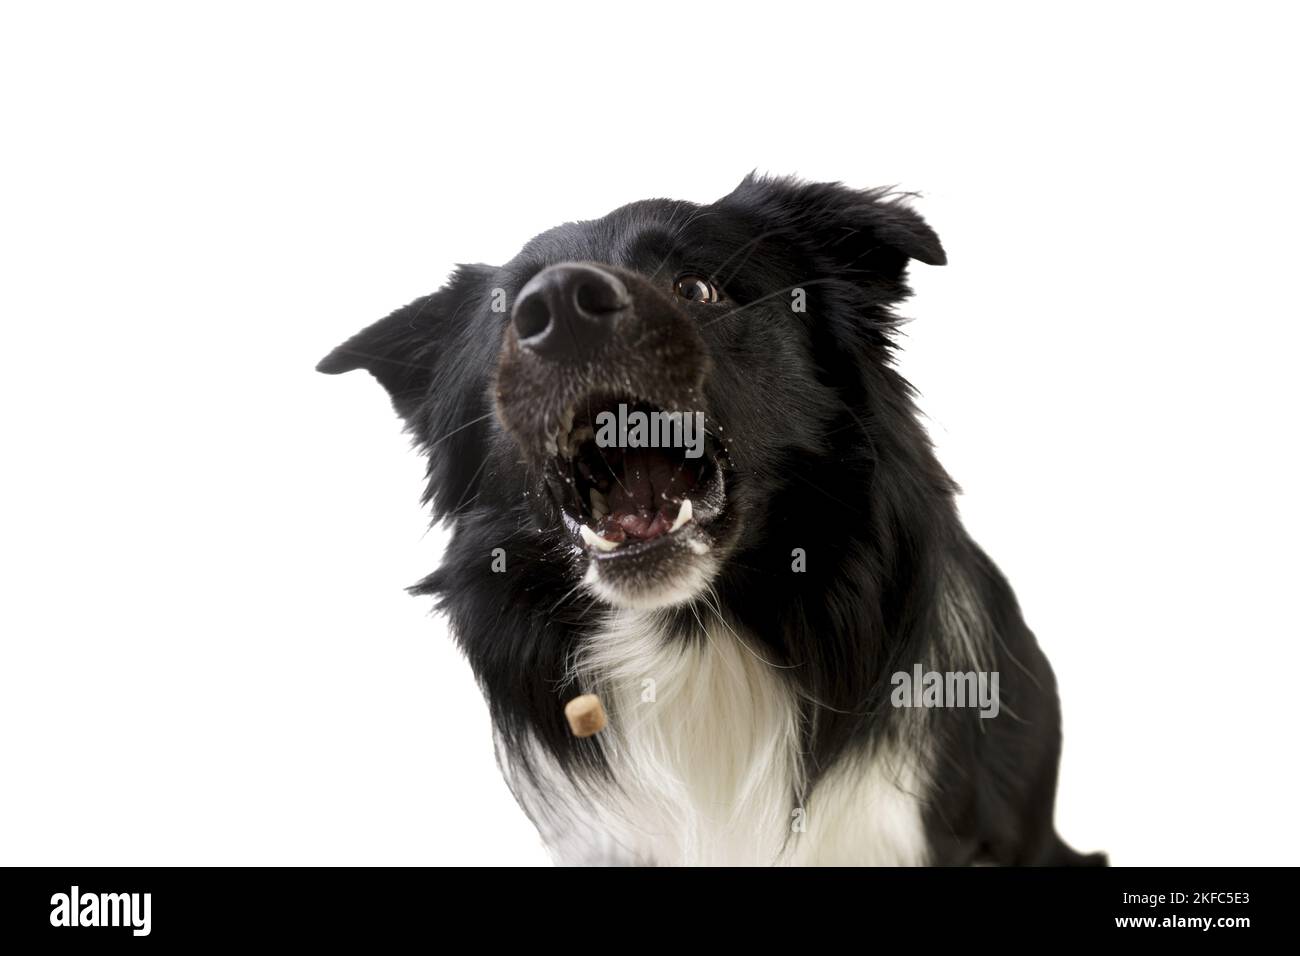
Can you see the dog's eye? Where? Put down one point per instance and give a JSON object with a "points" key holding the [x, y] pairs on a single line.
{"points": [[696, 288]]}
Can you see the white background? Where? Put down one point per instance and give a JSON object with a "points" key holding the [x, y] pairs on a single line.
{"points": [[208, 655]]}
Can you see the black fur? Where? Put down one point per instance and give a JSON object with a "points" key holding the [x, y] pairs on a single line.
{"points": [[827, 456]]}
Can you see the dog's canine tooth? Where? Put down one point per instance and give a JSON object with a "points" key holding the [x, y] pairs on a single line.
{"points": [[683, 515], [595, 540], [599, 506]]}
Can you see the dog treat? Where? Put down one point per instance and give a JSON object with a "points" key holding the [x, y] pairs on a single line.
{"points": [[585, 714]]}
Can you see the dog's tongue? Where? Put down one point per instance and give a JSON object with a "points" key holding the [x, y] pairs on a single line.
{"points": [[644, 502]]}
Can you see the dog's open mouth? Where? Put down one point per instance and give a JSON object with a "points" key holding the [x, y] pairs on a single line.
{"points": [[625, 491]]}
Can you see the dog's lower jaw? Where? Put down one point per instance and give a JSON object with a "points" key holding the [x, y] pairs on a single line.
{"points": [[681, 579]]}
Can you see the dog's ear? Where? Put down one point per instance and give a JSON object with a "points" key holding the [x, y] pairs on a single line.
{"points": [[403, 350], [872, 230]]}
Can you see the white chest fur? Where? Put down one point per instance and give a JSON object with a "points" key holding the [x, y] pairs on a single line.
{"points": [[703, 742]]}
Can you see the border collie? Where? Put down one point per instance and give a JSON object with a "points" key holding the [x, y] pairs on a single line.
{"points": [[767, 614]]}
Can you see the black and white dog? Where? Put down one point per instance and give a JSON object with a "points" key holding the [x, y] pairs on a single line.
{"points": [[785, 620]]}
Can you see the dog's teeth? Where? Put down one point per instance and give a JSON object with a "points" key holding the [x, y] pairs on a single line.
{"points": [[683, 515], [599, 506], [596, 541]]}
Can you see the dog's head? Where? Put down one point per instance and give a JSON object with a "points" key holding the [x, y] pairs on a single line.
{"points": [[637, 393]]}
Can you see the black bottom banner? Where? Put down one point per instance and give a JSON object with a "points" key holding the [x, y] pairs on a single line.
{"points": [[369, 906]]}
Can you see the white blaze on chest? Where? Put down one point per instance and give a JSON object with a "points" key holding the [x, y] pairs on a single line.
{"points": [[703, 740]]}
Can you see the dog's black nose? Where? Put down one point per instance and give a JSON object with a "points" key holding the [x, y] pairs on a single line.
{"points": [[566, 312]]}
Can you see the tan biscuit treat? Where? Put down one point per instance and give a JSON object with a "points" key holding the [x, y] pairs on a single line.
{"points": [[586, 715]]}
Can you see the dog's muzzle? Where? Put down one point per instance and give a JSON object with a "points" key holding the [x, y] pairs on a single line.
{"points": [[588, 343]]}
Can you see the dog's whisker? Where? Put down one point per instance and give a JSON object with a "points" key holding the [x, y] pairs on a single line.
{"points": [[713, 605], [771, 295], [459, 428], [673, 240], [468, 485], [748, 248]]}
